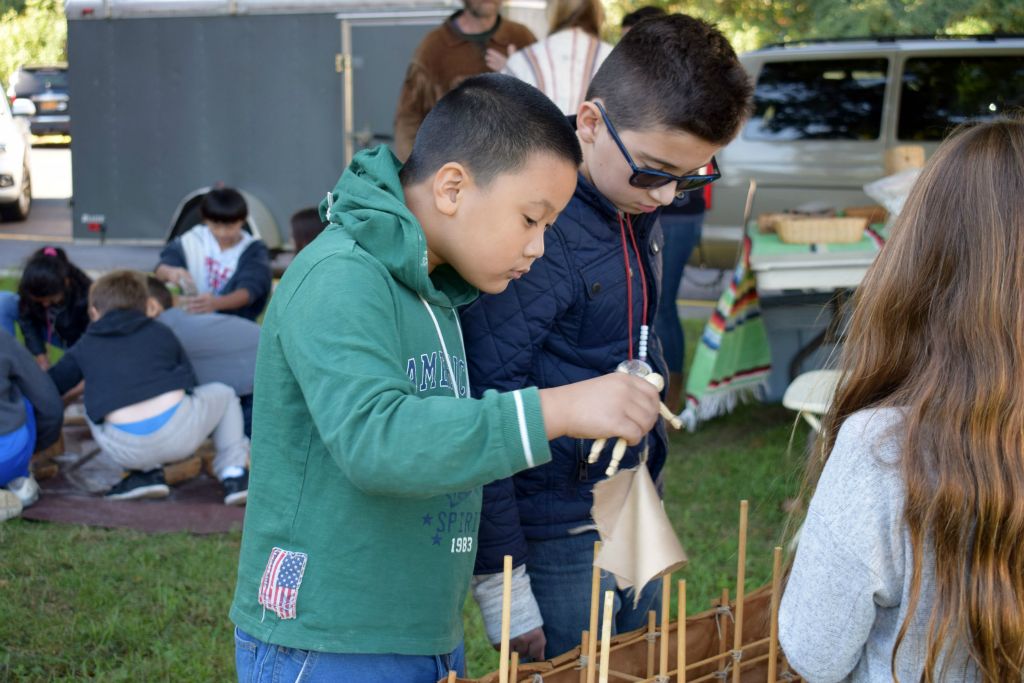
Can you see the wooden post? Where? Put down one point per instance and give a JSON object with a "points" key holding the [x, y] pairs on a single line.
{"points": [[606, 635], [584, 649], [595, 595], [652, 628], [666, 604], [514, 676], [506, 609], [681, 635], [773, 634], [452, 677], [741, 576], [723, 625]]}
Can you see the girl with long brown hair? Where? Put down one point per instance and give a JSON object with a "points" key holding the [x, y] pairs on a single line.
{"points": [[911, 559]]}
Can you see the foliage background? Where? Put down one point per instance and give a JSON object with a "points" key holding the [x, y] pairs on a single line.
{"points": [[751, 24], [31, 32], [34, 31]]}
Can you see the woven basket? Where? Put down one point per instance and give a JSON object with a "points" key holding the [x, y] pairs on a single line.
{"points": [[766, 221], [874, 214], [810, 230]]}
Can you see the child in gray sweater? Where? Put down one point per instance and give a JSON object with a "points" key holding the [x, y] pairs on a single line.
{"points": [[910, 565]]}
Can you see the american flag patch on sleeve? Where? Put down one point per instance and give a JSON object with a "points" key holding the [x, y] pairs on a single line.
{"points": [[279, 588]]}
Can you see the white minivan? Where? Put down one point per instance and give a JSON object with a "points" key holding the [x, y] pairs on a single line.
{"points": [[15, 155], [825, 112]]}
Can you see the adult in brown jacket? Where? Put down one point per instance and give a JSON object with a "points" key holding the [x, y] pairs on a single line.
{"points": [[472, 41]]}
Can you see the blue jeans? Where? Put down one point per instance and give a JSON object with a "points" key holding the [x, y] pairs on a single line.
{"points": [[16, 447], [259, 662], [560, 574], [682, 234], [8, 311]]}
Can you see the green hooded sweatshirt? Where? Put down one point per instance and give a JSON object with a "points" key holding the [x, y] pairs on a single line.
{"points": [[368, 456]]}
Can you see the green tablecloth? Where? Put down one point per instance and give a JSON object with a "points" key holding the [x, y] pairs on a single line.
{"points": [[769, 244], [733, 357]]}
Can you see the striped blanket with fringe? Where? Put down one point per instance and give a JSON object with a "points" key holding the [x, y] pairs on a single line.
{"points": [[733, 359]]}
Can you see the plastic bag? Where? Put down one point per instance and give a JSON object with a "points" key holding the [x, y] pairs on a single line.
{"points": [[892, 191]]}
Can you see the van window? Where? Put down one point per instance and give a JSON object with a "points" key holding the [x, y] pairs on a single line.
{"points": [[819, 100], [940, 92]]}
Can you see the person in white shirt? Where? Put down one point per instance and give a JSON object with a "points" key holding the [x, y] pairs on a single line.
{"points": [[562, 64]]}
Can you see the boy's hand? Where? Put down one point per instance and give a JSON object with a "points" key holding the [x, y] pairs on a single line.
{"points": [[203, 303], [530, 644], [613, 405]]}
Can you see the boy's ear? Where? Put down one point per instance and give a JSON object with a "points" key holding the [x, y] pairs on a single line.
{"points": [[153, 307], [450, 184], [587, 120], [94, 313]]}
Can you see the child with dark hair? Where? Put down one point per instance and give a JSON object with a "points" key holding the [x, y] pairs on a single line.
{"points": [[51, 304], [666, 99], [31, 413], [221, 348], [369, 452], [306, 225], [142, 403], [218, 264]]}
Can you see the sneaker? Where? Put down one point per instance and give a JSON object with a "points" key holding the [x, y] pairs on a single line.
{"points": [[25, 488], [10, 505], [136, 484], [236, 489]]}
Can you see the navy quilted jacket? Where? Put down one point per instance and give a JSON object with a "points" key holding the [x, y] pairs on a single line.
{"points": [[564, 322]]}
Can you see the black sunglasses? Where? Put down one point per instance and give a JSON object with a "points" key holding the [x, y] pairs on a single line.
{"points": [[649, 178]]}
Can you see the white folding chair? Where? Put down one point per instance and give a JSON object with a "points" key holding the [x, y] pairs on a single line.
{"points": [[810, 394]]}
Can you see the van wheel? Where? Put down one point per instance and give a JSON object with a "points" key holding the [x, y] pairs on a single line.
{"points": [[18, 209]]}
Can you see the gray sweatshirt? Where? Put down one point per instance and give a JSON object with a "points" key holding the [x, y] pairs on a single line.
{"points": [[846, 597], [21, 377]]}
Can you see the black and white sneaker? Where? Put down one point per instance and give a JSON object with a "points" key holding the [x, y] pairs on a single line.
{"points": [[136, 484], [236, 489]]}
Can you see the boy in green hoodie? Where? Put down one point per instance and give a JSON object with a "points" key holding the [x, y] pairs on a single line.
{"points": [[368, 453]]}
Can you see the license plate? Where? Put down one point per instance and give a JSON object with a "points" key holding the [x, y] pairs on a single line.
{"points": [[49, 106]]}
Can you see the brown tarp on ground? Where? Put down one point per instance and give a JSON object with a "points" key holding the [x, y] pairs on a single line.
{"points": [[196, 506], [74, 473]]}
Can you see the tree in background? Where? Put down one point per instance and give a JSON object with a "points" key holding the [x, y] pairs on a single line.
{"points": [[750, 24], [31, 32]]}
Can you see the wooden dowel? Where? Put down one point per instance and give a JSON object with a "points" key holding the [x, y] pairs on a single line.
{"points": [[452, 677], [584, 649], [741, 577], [666, 604], [723, 625], [773, 627], [606, 634], [595, 595], [681, 635], [652, 628], [506, 609], [514, 674]]}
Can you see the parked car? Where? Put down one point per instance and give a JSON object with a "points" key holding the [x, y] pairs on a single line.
{"points": [[15, 154], [47, 87], [825, 112]]}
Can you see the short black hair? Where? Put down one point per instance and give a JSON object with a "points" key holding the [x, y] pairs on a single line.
{"points": [[306, 225], [223, 205], [636, 16], [675, 72], [158, 290], [491, 124]]}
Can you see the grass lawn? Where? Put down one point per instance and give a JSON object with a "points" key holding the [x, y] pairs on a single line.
{"points": [[79, 602]]}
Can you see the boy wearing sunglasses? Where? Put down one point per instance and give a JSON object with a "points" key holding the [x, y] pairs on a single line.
{"points": [[670, 95]]}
